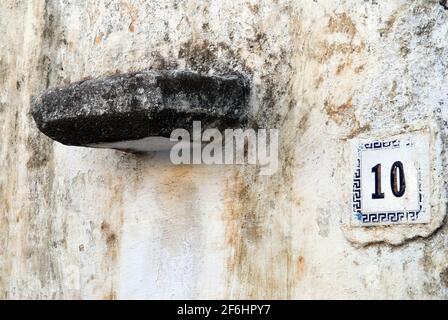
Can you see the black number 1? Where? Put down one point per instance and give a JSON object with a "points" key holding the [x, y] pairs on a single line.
{"points": [[397, 180], [377, 171]]}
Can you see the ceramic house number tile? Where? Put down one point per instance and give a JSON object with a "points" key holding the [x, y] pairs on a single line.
{"points": [[391, 180]]}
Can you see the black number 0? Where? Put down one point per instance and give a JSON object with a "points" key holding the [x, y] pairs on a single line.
{"points": [[397, 180], [398, 185]]}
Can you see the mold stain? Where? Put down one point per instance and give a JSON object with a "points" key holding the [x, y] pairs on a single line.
{"points": [[260, 263], [243, 233], [37, 197]]}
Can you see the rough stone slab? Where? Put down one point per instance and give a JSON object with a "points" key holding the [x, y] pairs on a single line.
{"points": [[108, 112]]}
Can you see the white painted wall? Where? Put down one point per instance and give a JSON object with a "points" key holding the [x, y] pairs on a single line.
{"points": [[91, 223]]}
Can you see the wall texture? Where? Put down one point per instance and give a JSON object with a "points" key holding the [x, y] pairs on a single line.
{"points": [[90, 223]]}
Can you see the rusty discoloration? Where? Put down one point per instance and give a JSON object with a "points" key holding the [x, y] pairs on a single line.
{"points": [[359, 68], [388, 27], [299, 268], [339, 112], [343, 66], [133, 14], [393, 91], [344, 115], [176, 193], [99, 38], [245, 232], [110, 238], [357, 130], [326, 50], [342, 23], [110, 296]]}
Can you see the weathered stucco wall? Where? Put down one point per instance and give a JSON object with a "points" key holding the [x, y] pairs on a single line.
{"points": [[90, 223]]}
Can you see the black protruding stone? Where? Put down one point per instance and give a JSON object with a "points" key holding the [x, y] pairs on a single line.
{"points": [[444, 4], [139, 105]]}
